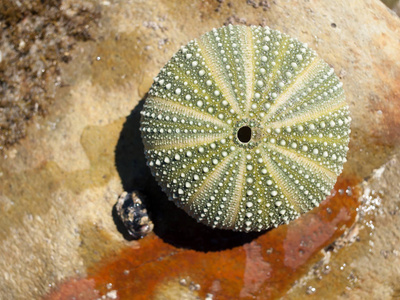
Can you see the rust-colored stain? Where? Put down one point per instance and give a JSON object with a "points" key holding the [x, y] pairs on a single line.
{"points": [[76, 289], [265, 267]]}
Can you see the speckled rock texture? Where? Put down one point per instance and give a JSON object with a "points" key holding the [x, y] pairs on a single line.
{"points": [[58, 186]]}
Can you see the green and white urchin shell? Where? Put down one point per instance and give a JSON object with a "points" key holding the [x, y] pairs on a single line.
{"points": [[246, 128]]}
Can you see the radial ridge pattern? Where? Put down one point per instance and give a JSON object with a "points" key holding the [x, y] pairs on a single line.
{"points": [[246, 128]]}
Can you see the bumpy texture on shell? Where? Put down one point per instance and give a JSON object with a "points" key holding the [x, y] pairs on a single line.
{"points": [[246, 128], [133, 214]]}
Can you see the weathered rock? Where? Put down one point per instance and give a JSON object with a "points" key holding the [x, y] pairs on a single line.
{"points": [[59, 184], [365, 262]]}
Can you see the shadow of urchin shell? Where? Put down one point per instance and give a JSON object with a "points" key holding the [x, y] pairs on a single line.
{"points": [[246, 128]]}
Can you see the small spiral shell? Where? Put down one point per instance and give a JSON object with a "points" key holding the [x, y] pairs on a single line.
{"points": [[246, 128], [133, 214]]}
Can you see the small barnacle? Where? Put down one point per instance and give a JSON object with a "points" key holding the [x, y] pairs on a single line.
{"points": [[133, 214], [246, 128]]}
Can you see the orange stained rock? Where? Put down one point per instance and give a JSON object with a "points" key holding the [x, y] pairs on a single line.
{"points": [[77, 289], [265, 267]]}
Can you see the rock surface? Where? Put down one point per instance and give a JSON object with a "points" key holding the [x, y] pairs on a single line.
{"points": [[58, 186]]}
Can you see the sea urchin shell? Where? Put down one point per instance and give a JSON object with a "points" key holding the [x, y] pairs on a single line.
{"points": [[246, 128]]}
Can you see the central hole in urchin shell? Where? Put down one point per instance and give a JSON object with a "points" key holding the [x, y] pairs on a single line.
{"points": [[244, 134]]}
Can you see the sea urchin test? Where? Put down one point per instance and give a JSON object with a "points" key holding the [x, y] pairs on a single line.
{"points": [[246, 128]]}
